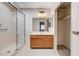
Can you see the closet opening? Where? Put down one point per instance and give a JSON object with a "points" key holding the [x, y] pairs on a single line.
{"points": [[64, 29]]}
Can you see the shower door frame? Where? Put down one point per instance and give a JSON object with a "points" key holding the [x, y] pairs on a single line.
{"points": [[14, 6], [17, 30]]}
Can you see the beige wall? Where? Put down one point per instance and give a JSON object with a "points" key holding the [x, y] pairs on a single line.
{"points": [[7, 21], [64, 31], [67, 32], [60, 32]]}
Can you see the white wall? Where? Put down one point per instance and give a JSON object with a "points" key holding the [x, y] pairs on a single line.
{"points": [[74, 27], [30, 13], [28, 26], [8, 21]]}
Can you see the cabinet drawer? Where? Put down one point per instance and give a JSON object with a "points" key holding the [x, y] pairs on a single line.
{"points": [[41, 41]]}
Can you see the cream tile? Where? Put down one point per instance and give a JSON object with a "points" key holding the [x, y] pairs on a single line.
{"points": [[36, 52]]}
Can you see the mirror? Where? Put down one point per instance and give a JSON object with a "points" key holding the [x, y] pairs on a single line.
{"points": [[42, 24]]}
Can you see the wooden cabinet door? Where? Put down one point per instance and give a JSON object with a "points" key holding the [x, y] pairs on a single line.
{"points": [[35, 43], [47, 43]]}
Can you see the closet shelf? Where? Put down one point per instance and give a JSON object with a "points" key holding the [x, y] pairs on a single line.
{"points": [[66, 17]]}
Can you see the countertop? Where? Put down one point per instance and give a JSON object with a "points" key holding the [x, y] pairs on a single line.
{"points": [[41, 33]]}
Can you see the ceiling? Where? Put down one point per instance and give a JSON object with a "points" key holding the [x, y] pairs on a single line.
{"points": [[36, 4]]}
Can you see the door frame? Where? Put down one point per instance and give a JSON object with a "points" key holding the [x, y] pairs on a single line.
{"points": [[56, 23], [17, 30], [16, 8]]}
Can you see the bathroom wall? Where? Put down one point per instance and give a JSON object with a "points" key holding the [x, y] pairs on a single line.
{"points": [[74, 27], [30, 13], [7, 21]]}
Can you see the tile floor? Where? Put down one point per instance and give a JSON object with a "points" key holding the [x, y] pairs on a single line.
{"points": [[27, 51], [8, 51], [63, 51], [36, 52]]}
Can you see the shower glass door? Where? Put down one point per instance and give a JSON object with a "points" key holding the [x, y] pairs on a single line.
{"points": [[20, 30]]}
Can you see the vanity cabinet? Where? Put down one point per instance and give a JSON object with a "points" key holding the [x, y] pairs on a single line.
{"points": [[41, 41]]}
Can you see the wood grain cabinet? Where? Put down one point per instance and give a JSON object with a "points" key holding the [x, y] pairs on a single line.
{"points": [[41, 41]]}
